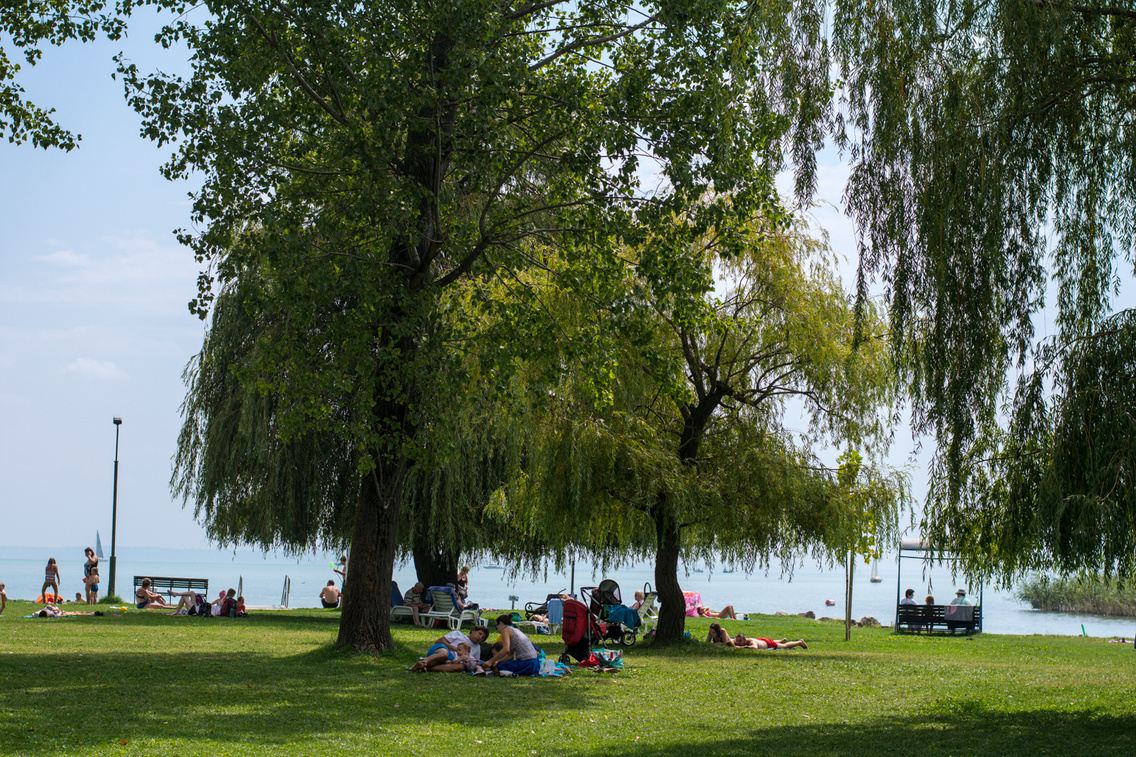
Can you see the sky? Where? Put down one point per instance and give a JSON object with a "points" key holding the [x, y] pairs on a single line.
{"points": [[93, 316]]}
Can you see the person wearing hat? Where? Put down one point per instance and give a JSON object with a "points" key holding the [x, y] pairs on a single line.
{"points": [[960, 598]]}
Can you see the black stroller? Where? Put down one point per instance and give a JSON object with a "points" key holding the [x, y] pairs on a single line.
{"points": [[620, 623]]}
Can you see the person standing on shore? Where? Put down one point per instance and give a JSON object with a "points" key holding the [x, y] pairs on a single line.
{"points": [[91, 565], [3, 599], [50, 578]]}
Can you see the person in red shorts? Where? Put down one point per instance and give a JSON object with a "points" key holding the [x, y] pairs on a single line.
{"points": [[760, 643]]}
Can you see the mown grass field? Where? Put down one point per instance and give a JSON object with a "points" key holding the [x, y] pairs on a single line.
{"points": [[147, 683]]}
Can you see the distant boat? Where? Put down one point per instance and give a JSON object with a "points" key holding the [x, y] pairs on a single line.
{"points": [[876, 572], [492, 566], [727, 570], [697, 570]]}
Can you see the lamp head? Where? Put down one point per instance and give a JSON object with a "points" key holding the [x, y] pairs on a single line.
{"points": [[117, 421]]}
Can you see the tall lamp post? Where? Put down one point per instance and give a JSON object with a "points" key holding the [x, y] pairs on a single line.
{"points": [[114, 502]]}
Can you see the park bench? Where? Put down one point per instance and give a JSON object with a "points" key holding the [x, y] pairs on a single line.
{"points": [[173, 586], [926, 618]]}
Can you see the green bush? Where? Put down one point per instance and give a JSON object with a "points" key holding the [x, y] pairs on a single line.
{"points": [[1085, 596]]}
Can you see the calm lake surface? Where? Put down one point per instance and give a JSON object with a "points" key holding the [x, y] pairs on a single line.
{"points": [[263, 576]]}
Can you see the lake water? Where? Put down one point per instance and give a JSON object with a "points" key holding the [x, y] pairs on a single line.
{"points": [[263, 576]]}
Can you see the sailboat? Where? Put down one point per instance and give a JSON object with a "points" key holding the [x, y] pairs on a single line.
{"points": [[876, 572]]}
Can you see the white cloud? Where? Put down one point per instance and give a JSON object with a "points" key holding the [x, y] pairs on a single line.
{"points": [[96, 369]]}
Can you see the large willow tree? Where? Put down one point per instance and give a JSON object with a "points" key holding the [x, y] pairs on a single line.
{"points": [[993, 147], [388, 151], [711, 440]]}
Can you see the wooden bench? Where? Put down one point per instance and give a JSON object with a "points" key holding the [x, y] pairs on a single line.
{"points": [[920, 618], [171, 586]]}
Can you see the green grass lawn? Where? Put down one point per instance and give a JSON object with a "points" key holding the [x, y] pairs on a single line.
{"points": [[147, 683]]}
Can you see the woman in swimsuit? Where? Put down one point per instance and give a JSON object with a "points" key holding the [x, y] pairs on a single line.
{"points": [[718, 635], [91, 566], [145, 599], [50, 578]]}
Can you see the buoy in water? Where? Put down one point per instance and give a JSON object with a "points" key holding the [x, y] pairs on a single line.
{"points": [[829, 603]]}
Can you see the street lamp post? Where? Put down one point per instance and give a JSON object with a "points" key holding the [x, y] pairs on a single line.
{"points": [[114, 502]]}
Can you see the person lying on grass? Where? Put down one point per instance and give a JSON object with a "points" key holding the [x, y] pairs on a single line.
{"points": [[718, 635], [442, 657], [727, 612], [742, 642]]}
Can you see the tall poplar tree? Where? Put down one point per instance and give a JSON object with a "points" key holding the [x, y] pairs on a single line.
{"points": [[387, 151]]}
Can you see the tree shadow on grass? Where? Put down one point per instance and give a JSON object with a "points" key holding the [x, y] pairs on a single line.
{"points": [[962, 730], [54, 702]]}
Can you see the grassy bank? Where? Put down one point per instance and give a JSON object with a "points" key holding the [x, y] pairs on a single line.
{"points": [[273, 684], [1084, 597]]}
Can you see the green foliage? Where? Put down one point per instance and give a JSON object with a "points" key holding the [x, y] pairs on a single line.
{"points": [[26, 26], [974, 128], [1054, 491], [1084, 596], [386, 153], [690, 452]]}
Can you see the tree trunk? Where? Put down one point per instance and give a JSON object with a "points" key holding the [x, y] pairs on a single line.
{"points": [[434, 567], [364, 625], [672, 610]]}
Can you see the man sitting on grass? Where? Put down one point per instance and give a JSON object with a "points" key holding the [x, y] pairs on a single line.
{"points": [[330, 596]]}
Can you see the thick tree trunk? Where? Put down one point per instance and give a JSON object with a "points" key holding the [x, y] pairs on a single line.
{"points": [[672, 610], [365, 623], [434, 567]]}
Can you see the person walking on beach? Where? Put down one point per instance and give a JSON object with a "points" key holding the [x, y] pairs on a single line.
{"points": [[51, 578], [330, 596]]}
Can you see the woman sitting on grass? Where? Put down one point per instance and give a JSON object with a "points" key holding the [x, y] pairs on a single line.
{"points": [[146, 599], [518, 656]]}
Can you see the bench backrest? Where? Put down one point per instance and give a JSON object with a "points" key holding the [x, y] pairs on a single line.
{"points": [[169, 582]]}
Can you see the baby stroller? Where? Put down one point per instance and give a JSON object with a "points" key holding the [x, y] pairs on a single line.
{"points": [[580, 630], [605, 603]]}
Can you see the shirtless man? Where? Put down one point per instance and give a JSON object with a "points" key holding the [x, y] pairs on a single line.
{"points": [[3, 599], [759, 643], [330, 596]]}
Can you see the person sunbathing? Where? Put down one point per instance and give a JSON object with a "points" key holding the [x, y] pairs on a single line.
{"points": [[726, 613], [742, 642], [442, 657], [718, 635], [145, 599]]}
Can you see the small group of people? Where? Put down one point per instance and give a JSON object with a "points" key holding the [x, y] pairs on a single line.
{"points": [[227, 604], [90, 593], [719, 635], [909, 598], [415, 596], [456, 652]]}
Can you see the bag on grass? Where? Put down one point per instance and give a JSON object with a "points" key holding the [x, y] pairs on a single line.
{"points": [[612, 658]]}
